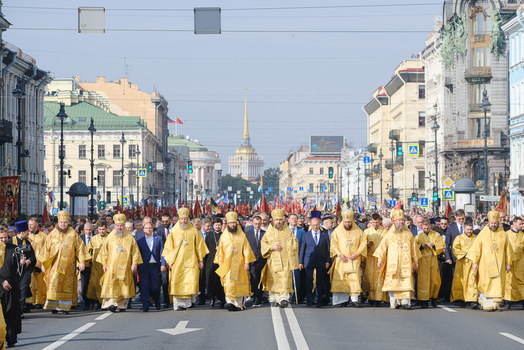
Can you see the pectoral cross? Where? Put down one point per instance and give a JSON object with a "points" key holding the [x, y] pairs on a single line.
{"points": [[400, 244], [234, 250], [494, 247], [349, 242]]}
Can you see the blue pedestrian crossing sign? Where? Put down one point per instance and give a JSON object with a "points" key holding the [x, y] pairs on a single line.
{"points": [[142, 172], [289, 188], [424, 202], [413, 149], [125, 200], [366, 160], [392, 203], [281, 192], [270, 189], [301, 188], [448, 195], [295, 191]]}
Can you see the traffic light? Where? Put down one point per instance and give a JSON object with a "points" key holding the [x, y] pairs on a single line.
{"points": [[207, 192], [399, 148], [102, 205], [108, 196], [190, 167], [330, 172], [435, 194], [321, 189], [413, 197], [150, 167]]}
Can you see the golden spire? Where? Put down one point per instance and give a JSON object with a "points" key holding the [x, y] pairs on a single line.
{"points": [[246, 129]]}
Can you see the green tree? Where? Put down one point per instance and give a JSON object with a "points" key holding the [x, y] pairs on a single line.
{"points": [[270, 179]]}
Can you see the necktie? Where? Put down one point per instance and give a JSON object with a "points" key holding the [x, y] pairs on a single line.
{"points": [[461, 229], [88, 239], [316, 238], [257, 237]]}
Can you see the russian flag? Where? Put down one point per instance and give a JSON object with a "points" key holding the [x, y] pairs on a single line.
{"points": [[177, 121], [51, 195]]}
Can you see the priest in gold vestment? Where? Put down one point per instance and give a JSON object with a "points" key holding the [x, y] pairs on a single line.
{"points": [[94, 289], [371, 282], [184, 253], [492, 255], [430, 244], [38, 286], [3, 330], [348, 248], [62, 250], [464, 286], [515, 277], [233, 256], [280, 246], [120, 257], [398, 256]]}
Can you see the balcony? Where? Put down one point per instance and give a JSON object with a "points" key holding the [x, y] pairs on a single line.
{"points": [[372, 148], [394, 134], [481, 38], [448, 82], [6, 132], [478, 75]]}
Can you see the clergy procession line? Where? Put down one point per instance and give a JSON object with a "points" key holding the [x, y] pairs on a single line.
{"points": [[278, 261]]}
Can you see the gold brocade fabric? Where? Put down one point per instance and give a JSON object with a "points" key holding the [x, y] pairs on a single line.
{"points": [[428, 281], [59, 256], [94, 289], [464, 285], [398, 251], [345, 276], [234, 249], [514, 290], [183, 250], [3, 331], [491, 251], [277, 275], [38, 285], [371, 285], [118, 254]]}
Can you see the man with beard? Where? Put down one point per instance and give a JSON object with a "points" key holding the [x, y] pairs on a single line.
{"points": [[515, 278], [184, 253], [9, 291], [430, 244], [492, 255], [94, 289], [399, 255], [62, 250], [280, 247], [465, 279], [348, 249], [371, 287], [234, 255], [215, 290], [446, 270], [38, 286], [120, 257]]}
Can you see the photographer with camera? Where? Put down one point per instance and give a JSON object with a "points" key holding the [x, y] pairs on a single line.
{"points": [[26, 261]]}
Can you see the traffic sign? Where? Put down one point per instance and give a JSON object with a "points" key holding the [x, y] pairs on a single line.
{"points": [[413, 149], [270, 189], [447, 183], [301, 188], [158, 202], [372, 199], [267, 192], [424, 202], [309, 190], [281, 192], [289, 188], [366, 160], [448, 195], [125, 201], [295, 191], [142, 172], [489, 198], [325, 188], [392, 202]]}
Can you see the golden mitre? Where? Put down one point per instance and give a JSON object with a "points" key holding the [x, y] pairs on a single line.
{"points": [[231, 217], [347, 215], [493, 215], [277, 214], [119, 219], [63, 215], [397, 214], [183, 213]]}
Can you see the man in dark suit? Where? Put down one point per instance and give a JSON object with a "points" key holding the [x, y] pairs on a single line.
{"points": [[417, 228], [254, 236], [298, 275], [446, 273], [314, 255], [151, 248], [163, 231], [86, 274], [454, 230]]}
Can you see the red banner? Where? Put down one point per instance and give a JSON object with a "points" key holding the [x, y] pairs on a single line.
{"points": [[9, 196]]}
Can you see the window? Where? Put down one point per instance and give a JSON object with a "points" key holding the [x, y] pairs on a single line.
{"points": [[132, 178], [421, 179], [62, 151], [477, 127], [481, 57], [116, 151], [477, 92], [422, 91], [421, 146], [331, 187], [321, 171], [82, 176], [208, 169], [132, 151], [62, 179], [481, 19], [422, 119], [101, 177], [82, 152], [116, 178], [310, 171], [311, 187], [102, 151], [45, 152]]}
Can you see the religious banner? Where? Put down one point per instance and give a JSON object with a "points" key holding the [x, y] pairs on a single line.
{"points": [[9, 196]]}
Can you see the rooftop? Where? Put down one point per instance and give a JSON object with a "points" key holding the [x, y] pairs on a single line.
{"points": [[181, 140]]}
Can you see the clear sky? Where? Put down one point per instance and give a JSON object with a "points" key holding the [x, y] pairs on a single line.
{"points": [[308, 71]]}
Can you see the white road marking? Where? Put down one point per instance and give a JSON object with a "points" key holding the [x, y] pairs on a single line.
{"points": [[446, 308], [179, 329], [103, 316], [278, 327], [298, 336], [511, 336], [70, 336]]}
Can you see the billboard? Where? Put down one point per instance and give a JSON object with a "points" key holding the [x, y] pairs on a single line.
{"points": [[326, 144]]}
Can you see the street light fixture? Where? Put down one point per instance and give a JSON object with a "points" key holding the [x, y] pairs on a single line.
{"points": [[347, 174], [392, 149], [435, 128], [92, 130], [122, 142], [19, 94], [137, 178], [62, 116], [358, 182], [485, 106]]}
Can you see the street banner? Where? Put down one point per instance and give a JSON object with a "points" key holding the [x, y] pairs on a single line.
{"points": [[9, 196]]}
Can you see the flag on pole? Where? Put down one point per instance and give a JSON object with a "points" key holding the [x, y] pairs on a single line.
{"points": [[260, 185], [177, 121], [51, 195]]}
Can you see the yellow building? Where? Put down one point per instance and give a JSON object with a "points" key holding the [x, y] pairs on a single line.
{"points": [[396, 118]]}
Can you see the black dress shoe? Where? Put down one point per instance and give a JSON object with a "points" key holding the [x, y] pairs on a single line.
{"points": [[212, 303], [166, 306], [344, 304], [222, 304], [112, 308], [54, 312], [180, 308], [10, 345], [22, 317], [284, 304], [434, 302], [38, 307], [310, 303], [157, 305], [356, 304], [274, 304], [462, 304], [406, 307], [498, 310], [66, 312], [202, 302], [231, 307], [318, 305], [144, 309], [474, 305], [507, 305]]}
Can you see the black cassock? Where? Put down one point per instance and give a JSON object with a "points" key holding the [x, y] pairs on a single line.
{"points": [[11, 299], [213, 283]]}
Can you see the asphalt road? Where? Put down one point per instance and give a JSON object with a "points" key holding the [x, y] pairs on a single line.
{"points": [[298, 327]]}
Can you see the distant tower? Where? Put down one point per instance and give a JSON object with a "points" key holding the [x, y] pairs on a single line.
{"points": [[246, 161]]}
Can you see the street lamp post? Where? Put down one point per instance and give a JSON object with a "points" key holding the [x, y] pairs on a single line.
{"points": [[180, 187], [435, 128], [347, 174], [485, 105], [92, 130], [19, 93], [62, 116], [122, 142], [186, 191], [380, 156], [371, 160], [358, 182], [392, 149], [137, 178]]}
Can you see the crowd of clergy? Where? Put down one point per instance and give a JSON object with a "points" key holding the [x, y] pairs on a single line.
{"points": [[272, 258]]}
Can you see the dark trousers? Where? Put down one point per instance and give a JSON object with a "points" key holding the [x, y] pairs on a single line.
{"points": [[320, 286], [202, 287], [446, 277], [165, 287], [299, 286], [84, 283], [25, 291], [150, 284], [255, 273]]}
